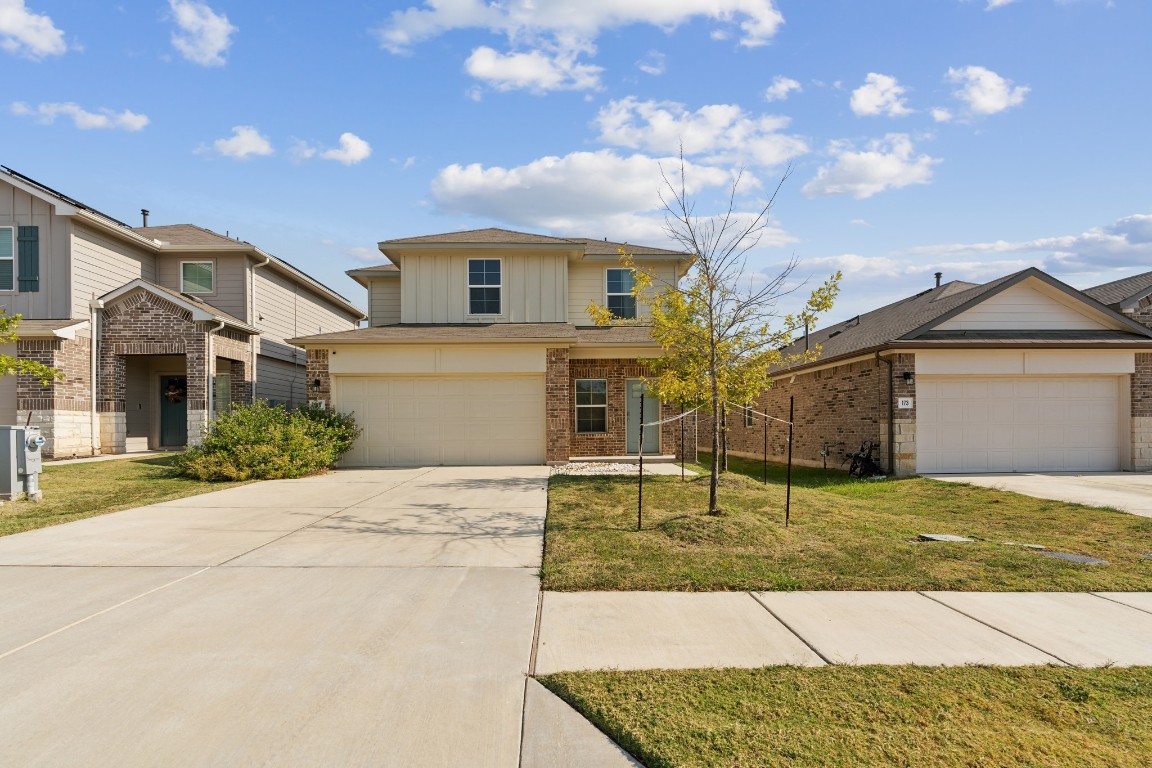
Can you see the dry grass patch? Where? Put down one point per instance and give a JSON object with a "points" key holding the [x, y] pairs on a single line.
{"points": [[928, 717], [845, 534], [76, 491]]}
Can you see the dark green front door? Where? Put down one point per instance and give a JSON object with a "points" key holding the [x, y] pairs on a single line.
{"points": [[173, 411]]}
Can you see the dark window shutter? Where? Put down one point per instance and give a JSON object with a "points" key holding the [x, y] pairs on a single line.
{"points": [[29, 254]]}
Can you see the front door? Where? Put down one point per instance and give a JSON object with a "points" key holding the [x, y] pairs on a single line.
{"points": [[636, 390], [173, 411]]}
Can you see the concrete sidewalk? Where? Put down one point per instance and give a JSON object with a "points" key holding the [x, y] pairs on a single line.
{"points": [[661, 630]]}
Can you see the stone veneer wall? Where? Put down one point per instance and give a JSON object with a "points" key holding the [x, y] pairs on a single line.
{"points": [[63, 409], [614, 441], [558, 403], [839, 407]]}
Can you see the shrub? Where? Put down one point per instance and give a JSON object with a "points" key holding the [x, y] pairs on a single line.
{"points": [[266, 442]]}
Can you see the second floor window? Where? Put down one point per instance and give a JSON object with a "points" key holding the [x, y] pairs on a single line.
{"points": [[196, 277], [621, 302], [483, 286]]}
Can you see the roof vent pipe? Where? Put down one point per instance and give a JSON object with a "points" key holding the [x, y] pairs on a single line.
{"points": [[805, 336], [938, 276], [144, 213]]}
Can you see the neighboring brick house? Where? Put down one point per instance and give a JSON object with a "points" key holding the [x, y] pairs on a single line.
{"points": [[480, 351], [1019, 374], [187, 321]]}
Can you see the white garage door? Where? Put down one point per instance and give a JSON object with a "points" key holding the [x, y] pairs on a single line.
{"points": [[428, 420], [1017, 424]]}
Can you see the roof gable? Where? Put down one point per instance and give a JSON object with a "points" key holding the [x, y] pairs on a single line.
{"points": [[1029, 306]]}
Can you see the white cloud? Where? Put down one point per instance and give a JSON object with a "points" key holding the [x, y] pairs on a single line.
{"points": [[352, 150], [245, 142], [536, 71], [992, 4], [717, 133], [984, 91], [654, 63], [203, 35], [758, 20], [569, 195], [80, 117], [781, 88], [941, 115], [28, 34], [880, 95], [887, 163], [301, 151], [365, 254]]}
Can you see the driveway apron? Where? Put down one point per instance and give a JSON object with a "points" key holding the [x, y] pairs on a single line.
{"points": [[366, 617]]}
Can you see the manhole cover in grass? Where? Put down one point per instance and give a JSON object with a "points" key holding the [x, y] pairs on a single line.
{"points": [[942, 537], [1082, 559]]}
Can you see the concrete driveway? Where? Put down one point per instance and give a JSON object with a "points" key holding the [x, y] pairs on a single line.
{"points": [[367, 617], [1127, 491]]}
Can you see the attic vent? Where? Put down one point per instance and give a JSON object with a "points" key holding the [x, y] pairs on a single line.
{"points": [[834, 333]]}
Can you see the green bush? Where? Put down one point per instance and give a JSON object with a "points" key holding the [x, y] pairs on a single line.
{"points": [[266, 442]]}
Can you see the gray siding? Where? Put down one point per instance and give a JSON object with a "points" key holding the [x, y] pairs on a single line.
{"points": [[281, 381], [384, 301], [20, 209], [285, 310], [230, 279], [101, 264]]}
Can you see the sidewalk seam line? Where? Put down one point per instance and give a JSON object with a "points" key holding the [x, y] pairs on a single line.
{"points": [[1004, 632], [788, 627], [101, 612], [1117, 602]]}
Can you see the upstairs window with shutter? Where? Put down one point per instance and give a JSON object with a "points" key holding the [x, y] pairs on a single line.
{"points": [[28, 249], [7, 257]]}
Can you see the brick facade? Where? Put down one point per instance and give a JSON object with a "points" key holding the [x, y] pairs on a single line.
{"points": [[558, 406], [63, 409], [317, 369], [1142, 413]]}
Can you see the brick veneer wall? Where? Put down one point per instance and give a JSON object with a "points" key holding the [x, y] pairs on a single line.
{"points": [[1142, 413], [558, 394], [317, 368], [63, 409], [614, 441]]}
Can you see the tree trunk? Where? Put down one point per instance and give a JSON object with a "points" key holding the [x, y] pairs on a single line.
{"points": [[713, 508]]}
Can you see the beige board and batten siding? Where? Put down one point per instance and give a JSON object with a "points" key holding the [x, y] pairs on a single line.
{"points": [[427, 405], [383, 301], [1029, 306], [588, 282], [101, 264], [434, 288], [229, 279], [20, 209]]}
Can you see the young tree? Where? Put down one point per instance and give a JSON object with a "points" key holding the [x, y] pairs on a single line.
{"points": [[716, 327], [11, 365]]}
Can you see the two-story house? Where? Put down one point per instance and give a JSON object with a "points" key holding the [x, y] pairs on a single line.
{"points": [[480, 350], [155, 329]]}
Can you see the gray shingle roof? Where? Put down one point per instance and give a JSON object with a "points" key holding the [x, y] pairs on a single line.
{"points": [[187, 235], [609, 248], [1122, 291], [489, 235], [452, 332], [614, 334]]}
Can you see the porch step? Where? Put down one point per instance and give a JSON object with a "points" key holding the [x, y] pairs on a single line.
{"points": [[633, 459], [136, 445]]}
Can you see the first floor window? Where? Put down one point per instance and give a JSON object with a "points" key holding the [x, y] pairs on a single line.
{"points": [[749, 416], [591, 405], [7, 258], [483, 286], [621, 302], [196, 277]]}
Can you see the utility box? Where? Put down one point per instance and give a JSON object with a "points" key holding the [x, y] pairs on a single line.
{"points": [[21, 462]]}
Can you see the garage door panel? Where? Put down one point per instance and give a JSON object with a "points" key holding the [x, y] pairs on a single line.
{"points": [[429, 420], [1027, 424]]}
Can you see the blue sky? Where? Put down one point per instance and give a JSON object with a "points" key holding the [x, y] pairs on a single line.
{"points": [[972, 137]]}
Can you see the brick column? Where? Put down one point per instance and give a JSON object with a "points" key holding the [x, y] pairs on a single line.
{"points": [[1142, 413], [904, 420], [318, 369], [558, 406]]}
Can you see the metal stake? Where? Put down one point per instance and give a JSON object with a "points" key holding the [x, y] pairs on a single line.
{"points": [[791, 427], [765, 450], [682, 443], [640, 491]]}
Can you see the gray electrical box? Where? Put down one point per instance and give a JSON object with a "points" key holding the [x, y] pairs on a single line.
{"points": [[21, 462]]}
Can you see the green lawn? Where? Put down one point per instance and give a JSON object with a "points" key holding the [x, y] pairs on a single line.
{"points": [[924, 717], [75, 491], [844, 534]]}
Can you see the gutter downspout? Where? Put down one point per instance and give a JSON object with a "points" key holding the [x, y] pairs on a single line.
{"points": [[94, 307], [210, 365], [891, 417], [252, 320]]}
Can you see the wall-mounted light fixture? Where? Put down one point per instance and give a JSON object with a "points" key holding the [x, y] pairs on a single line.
{"points": [[909, 377], [315, 385]]}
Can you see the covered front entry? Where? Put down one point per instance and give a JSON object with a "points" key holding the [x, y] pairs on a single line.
{"points": [[1018, 423], [438, 419]]}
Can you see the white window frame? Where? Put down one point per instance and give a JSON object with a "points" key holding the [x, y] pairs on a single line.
{"points": [[749, 419], [636, 306], [211, 263], [578, 406], [12, 240], [469, 286]]}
